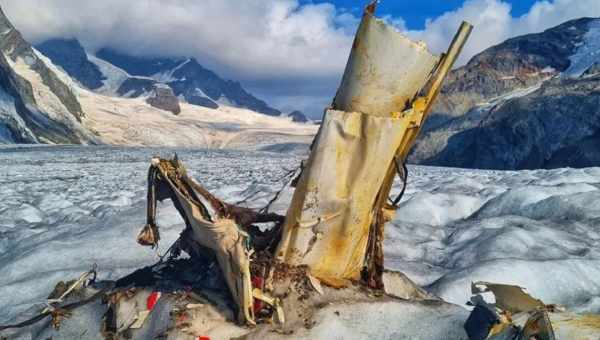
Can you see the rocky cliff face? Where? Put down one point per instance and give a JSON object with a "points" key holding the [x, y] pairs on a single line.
{"points": [[530, 102], [517, 63], [36, 104]]}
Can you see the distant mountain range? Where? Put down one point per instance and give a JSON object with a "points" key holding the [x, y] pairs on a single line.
{"points": [[127, 76], [64, 95], [530, 102]]}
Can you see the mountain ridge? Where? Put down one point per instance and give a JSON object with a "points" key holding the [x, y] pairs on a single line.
{"points": [[521, 104], [190, 81], [37, 106]]}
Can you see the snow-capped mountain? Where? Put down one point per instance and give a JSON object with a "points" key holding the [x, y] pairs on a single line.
{"points": [[36, 104], [530, 102], [41, 102], [70, 55], [132, 77]]}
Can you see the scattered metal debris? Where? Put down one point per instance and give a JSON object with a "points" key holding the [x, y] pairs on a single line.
{"points": [[516, 315]]}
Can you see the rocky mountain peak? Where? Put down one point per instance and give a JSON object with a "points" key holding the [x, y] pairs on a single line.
{"points": [[71, 56], [188, 79], [5, 24], [517, 63], [37, 104], [12, 43], [531, 102]]}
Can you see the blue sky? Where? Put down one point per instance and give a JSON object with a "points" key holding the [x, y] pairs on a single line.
{"points": [[416, 12]]}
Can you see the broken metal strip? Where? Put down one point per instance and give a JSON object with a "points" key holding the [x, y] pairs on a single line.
{"points": [[374, 261]]}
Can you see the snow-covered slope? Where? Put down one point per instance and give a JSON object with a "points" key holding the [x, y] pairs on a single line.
{"points": [[132, 121], [114, 77], [587, 53], [65, 208]]}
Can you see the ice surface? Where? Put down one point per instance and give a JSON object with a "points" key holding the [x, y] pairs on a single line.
{"points": [[132, 121], [536, 229], [64, 208], [385, 320]]}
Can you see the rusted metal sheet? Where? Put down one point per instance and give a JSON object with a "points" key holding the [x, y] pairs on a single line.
{"points": [[327, 225], [335, 222], [385, 70]]}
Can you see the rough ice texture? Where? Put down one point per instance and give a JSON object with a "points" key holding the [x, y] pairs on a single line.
{"points": [[536, 229], [65, 208]]}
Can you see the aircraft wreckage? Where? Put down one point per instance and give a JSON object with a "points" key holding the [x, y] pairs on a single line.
{"points": [[329, 245]]}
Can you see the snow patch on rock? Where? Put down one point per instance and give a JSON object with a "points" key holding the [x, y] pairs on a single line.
{"points": [[588, 53], [114, 75]]}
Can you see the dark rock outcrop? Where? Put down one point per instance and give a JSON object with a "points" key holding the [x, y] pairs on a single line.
{"points": [[163, 98], [298, 117], [593, 70], [136, 87]]}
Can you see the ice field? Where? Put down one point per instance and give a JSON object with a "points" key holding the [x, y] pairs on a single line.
{"points": [[62, 209]]}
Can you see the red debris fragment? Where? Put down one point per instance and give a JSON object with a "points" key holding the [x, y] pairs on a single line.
{"points": [[257, 282], [152, 300]]}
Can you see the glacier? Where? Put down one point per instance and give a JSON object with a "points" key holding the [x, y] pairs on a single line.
{"points": [[65, 208]]}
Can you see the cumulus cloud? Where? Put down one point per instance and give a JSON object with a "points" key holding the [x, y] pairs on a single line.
{"points": [[494, 24], [293, 55], [258, 38]]}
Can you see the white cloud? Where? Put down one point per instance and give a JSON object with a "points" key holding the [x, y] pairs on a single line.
{"points": [[494, 24], [284, 51], [491, 19], [259, 42], [257, 38]]}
